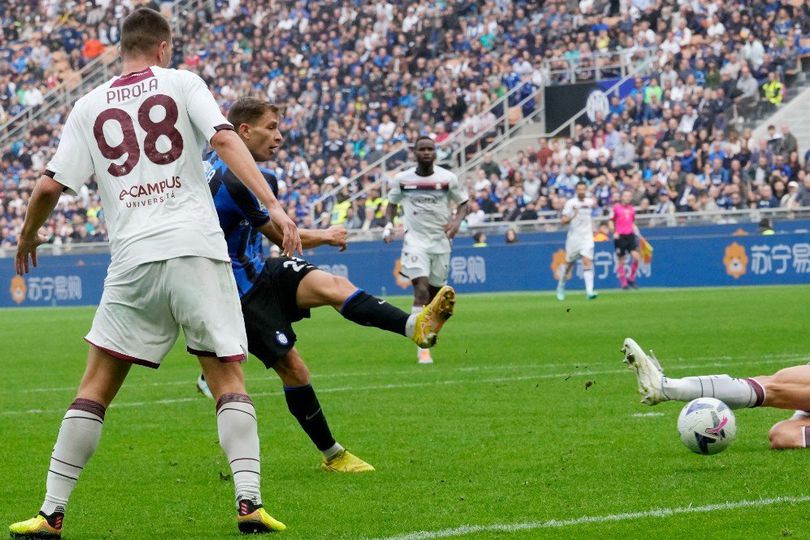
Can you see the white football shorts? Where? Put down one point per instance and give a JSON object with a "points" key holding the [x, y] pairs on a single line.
{"points": [[575, 250], [415, 263], [142, 310]]}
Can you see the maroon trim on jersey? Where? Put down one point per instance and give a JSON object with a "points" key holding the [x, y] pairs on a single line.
{"points": [[432, 186], [209, 354], [125, 357], [132, 78], [221, 127], [49, 173]]}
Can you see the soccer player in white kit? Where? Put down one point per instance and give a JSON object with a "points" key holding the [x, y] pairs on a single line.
{"points": [[142, 135], [426, 193], [579, 241]]}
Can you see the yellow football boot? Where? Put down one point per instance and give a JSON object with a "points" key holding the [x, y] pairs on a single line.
{"points": [[254, 519], [345, 461], [431, 319], [38, 527]]}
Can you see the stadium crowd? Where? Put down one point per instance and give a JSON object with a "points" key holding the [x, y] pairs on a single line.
{"points": [[358, 80]]}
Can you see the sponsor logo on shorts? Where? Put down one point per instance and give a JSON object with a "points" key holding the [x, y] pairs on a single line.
{"points": [[282, 338]]}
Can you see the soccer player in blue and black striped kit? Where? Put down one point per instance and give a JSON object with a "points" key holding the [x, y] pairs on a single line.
{"points": [[279, 291]]}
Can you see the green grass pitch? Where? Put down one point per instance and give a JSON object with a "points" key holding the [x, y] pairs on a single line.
{"points": [[528, 415]]}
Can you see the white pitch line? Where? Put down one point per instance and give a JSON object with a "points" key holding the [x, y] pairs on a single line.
{"points": [[768, 358], [587, 520], [646, 414], [392, 386]]}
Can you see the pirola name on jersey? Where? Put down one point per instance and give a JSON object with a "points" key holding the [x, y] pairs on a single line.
{"points": [[141, 190], [124, 93]]}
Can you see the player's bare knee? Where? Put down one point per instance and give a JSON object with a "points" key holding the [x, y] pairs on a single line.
{"points": [[292, 370], [786, 435]]}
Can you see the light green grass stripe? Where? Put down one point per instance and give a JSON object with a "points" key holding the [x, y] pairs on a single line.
{"points": [[586, 520], [395, 386]]}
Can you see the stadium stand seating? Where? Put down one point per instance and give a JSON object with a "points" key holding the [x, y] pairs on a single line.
{"points": [[360, 79]]}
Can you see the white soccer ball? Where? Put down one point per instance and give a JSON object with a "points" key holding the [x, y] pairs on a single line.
{"points": [[707, 426]]}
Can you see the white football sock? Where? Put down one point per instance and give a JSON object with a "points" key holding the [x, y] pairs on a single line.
{"points": [[329, 453], [77, 441], [415, 310], [239, 438], [736, 393], [410, 325], [561, 279], [587, 275]]}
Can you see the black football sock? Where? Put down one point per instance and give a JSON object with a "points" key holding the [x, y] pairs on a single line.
{"points": [[367, 310], [304, 406]]}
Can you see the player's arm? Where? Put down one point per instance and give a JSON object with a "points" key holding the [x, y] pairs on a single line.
{"points": [[43, 201], [612, 224], [207, 118], [66, 171], [451, 229], [390, 213], [228, 146], [458, 194], [568, 213], [310, 238]]}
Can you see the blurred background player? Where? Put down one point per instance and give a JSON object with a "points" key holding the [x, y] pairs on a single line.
{"points": [[163, 234], [279, 291], [625, 238], [788, 388], [426, 193], [577, 214]]}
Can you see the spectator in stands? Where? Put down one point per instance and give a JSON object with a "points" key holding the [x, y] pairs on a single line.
{"points": [[511, 236]]}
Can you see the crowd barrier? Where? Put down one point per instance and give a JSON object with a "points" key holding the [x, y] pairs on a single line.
{"points": [[683, 257]]}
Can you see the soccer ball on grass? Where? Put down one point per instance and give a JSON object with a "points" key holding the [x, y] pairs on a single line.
{"points": [[707, 426]]}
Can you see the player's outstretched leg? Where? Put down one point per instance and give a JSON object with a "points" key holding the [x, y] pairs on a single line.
{"points": [[305, 407], [321, 288], [654, 387], [792, 433], [239, 438], [77, 440]]}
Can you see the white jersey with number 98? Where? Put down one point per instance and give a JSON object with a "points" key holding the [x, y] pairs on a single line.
{"points": [[142, 135]]}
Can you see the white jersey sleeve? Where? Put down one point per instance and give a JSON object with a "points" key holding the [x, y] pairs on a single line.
{"points": [[568, 209], [72, 164], [202, 108], [457, 192], [395, 192]]}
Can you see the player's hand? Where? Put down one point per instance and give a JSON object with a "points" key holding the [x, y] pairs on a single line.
{"points": [[27, 247], [291, 244], [388, 233], [336, 236], [615, 236], [451, 229]]}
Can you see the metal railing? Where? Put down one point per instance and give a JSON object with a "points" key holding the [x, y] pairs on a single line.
{"points": [[456, 144], [65, 94], [547, 222], [596, 65], [78, 84]]}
